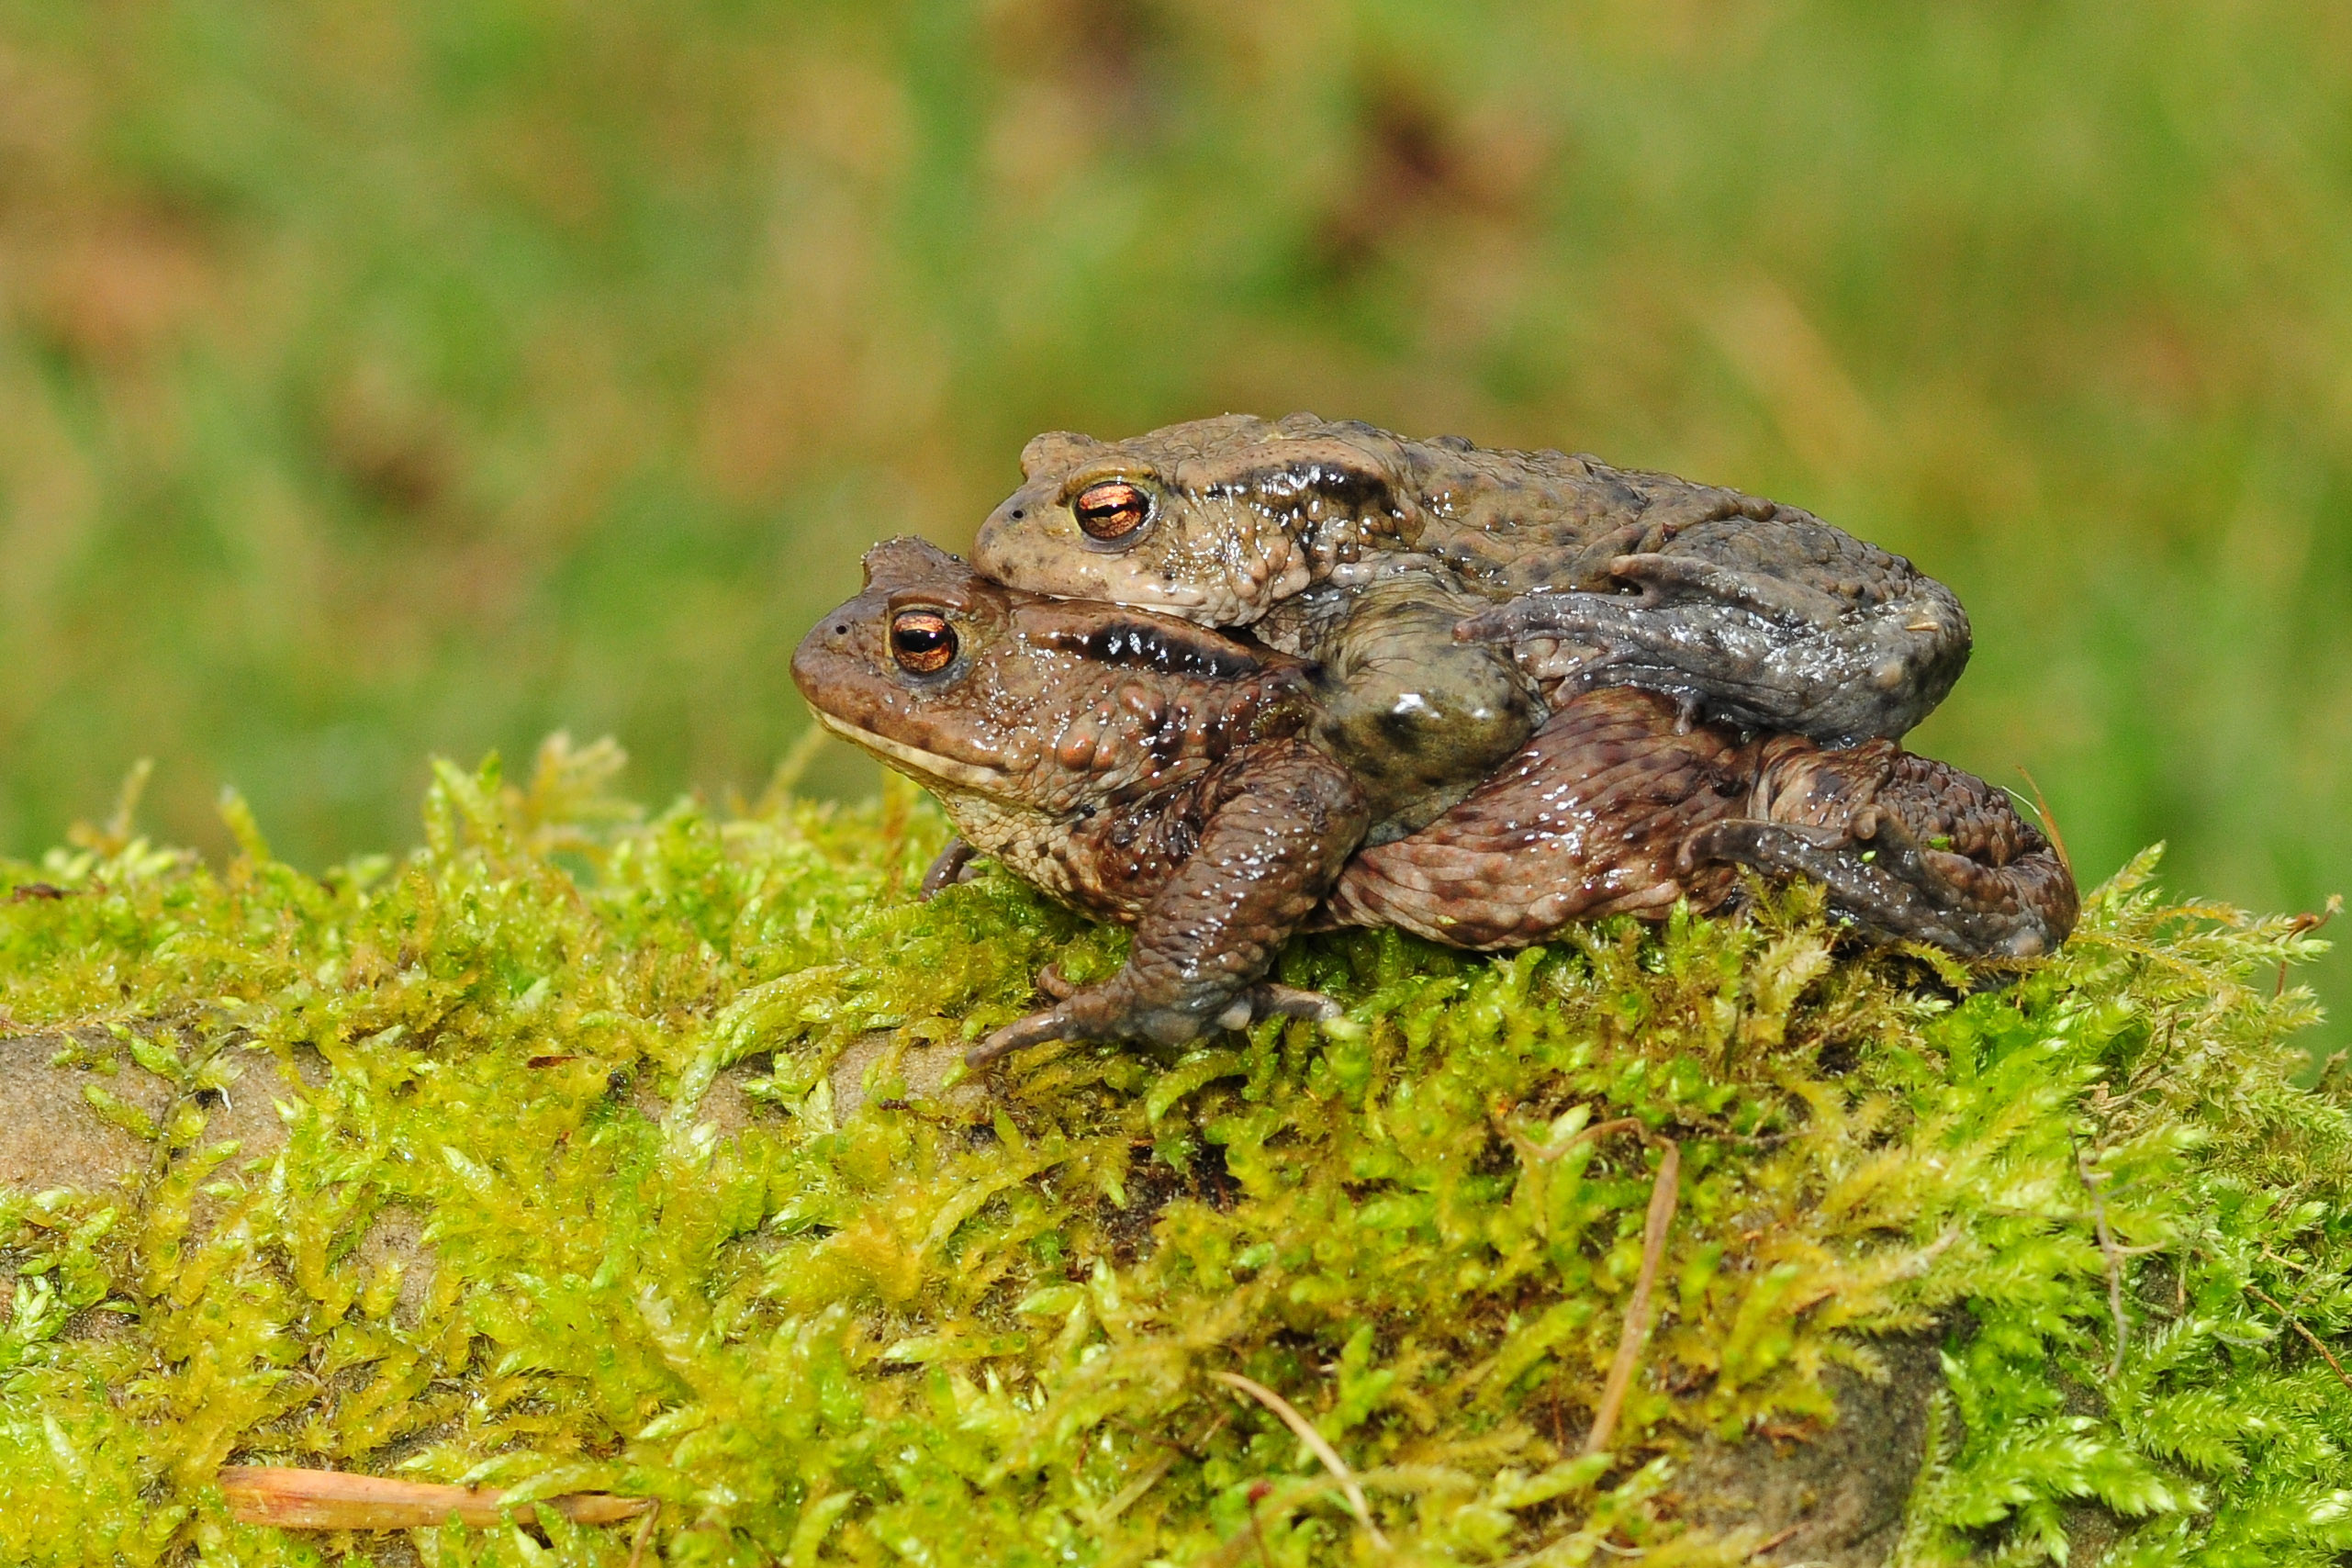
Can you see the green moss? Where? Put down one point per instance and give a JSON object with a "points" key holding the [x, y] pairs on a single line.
{"points": [[937, 1330]]}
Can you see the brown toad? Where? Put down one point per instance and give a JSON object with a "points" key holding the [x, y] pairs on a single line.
{"points": [[1743, 609], [1152, 772]]}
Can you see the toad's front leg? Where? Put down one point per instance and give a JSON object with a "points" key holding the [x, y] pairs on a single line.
{"points": [[1255, 844], [1841, 651]]}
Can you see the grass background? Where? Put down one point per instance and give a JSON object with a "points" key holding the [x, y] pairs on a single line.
{"points": [[380, 378]]}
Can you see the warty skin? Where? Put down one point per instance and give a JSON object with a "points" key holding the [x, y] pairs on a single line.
{"points": [[1148, 771], [1745, 609]]}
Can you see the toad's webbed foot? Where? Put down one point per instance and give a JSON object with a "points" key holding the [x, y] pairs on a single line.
{"points": [[1264, 999], [1910, 849], [1841, 663]]}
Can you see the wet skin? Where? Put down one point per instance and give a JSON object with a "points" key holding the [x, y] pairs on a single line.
{"points": [[1581, 574], [1149, 771]]}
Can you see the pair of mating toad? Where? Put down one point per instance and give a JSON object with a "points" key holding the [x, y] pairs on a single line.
{"points": [[1234, 678]]}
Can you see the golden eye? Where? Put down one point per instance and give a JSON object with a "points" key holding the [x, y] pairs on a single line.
{"points": [[1112, 511], [922, 640]]}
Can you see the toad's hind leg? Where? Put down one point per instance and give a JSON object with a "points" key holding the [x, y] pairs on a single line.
{"points": [[1910, 849], [1586, 820]]}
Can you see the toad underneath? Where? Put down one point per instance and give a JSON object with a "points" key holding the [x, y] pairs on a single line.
{"points": [[1167, 776]]}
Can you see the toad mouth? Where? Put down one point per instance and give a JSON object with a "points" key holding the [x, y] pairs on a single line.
{"points": [[972, 775]]}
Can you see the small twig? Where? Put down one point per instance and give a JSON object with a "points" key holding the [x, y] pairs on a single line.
{"points": [[1664, 1196], [1780, 1539], [336, 1499], [644, 1534], [1316, 1445], [2310, 1338], [2311, 1281], [2107, 1250]]}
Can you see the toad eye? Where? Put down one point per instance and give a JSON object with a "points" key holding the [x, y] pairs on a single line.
{"points": [[1112, 511], [922, 640]]}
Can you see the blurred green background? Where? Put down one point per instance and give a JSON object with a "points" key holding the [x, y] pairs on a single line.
{"points": [[380, 378]]}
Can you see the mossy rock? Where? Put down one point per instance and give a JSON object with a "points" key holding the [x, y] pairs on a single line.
{"points": [[578, 1151]]}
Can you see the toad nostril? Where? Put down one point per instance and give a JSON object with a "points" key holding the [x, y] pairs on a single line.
{"points": [[1018, 514], [842, 631]]}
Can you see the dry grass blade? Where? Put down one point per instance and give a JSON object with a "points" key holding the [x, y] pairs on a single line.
{"points": [[334, 1499], [1664, 1196], [2049, 823], [1314, 1444]]}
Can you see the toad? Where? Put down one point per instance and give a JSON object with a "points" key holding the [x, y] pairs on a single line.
{"points": [[1151, 771], [1745, 609]]}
